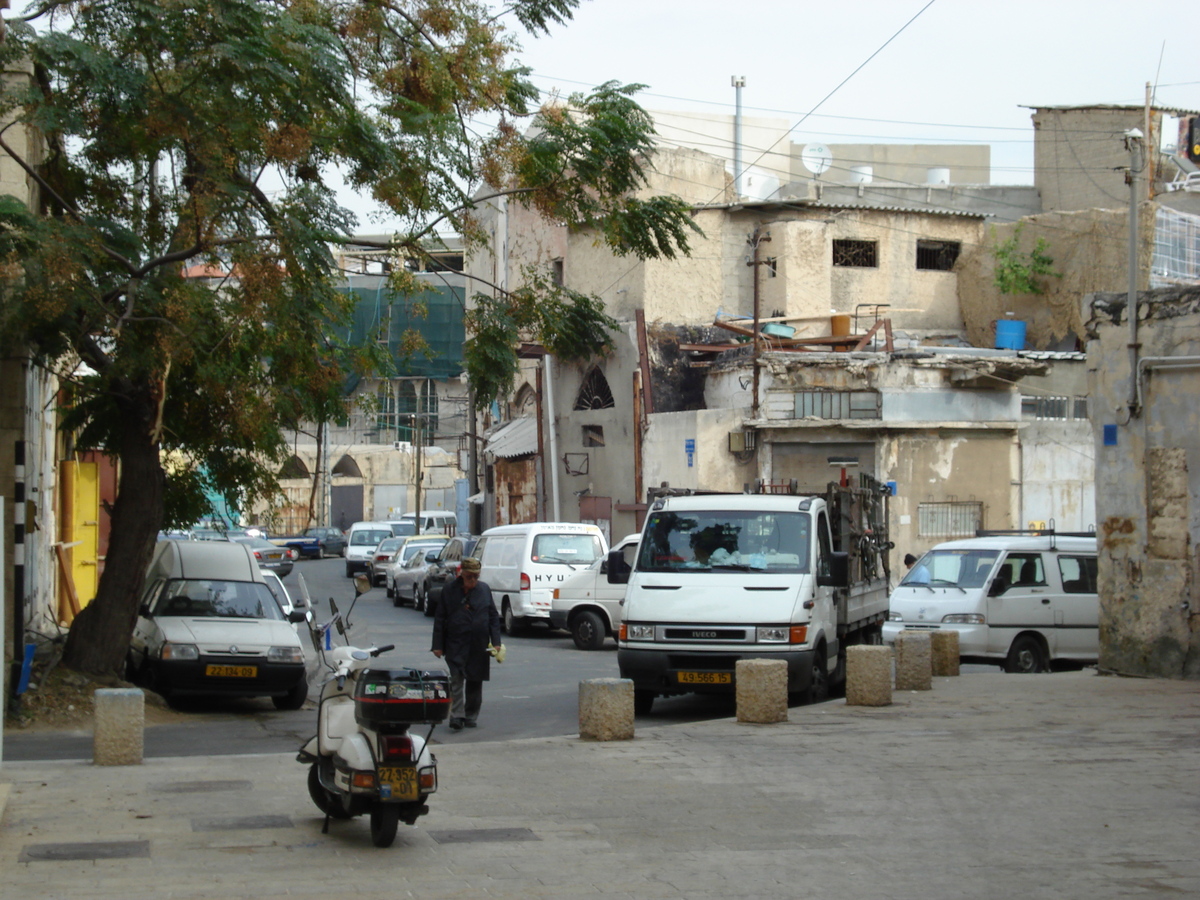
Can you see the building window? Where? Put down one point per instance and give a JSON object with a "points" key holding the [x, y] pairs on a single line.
{"points": [[857, 254], [556, 272], [837, 405], [949, 518], [1054, 407], [937, 256], [772, 266], [594, 393], [593, 436]]}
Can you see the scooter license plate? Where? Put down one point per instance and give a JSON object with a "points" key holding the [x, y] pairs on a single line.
{"points": [[398, 783]]}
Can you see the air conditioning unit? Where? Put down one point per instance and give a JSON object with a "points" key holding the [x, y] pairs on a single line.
{"points": [[741, 441], [401, 445]]}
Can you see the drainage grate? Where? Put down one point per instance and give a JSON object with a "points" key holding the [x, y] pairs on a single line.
{"points": [[241, 823], [92, 851], [201, 787], [484, 835]]}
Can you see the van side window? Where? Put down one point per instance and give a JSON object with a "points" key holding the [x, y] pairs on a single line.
{"points": [[1078, 574], [481, 551], [824, 547], [1024, 570]]}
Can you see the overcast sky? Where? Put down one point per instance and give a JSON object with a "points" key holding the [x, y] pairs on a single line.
{"points": [[951, 70]]}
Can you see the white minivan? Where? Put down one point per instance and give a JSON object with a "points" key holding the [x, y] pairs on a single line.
{"points": [[523, 564], [1016, 601], [587, 604], [361, 541]]}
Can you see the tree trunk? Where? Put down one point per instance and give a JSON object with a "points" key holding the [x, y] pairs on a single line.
{"points": [[99, 637]]}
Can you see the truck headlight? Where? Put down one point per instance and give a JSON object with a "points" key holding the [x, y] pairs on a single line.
{"points": [[285, 655], [179, 651], [772, 634], [639, 632], [963, 619]]}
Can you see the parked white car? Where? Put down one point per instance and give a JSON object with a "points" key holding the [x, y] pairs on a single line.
{"points": [[208, 624], [587, 605], [409, 565]]}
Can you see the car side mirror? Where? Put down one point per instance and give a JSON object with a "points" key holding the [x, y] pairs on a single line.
{"points": [[431, 556], [296, 617], [618, 570], [144, 610]]}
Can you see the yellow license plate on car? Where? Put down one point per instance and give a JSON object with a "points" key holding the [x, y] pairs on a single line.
{"points": [[704, 678], [231, 671], [401, 780]]}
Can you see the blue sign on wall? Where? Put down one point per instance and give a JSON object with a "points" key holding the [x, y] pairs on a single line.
{"points": [[689, 447]]}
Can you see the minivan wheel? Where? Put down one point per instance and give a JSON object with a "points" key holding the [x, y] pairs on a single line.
{"points": [[1026, 656], [588, 631], [512, 624]]}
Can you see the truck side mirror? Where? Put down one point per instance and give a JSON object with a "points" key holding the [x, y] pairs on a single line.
{"points": [[838, 575], [144, 610], [618, 570]]}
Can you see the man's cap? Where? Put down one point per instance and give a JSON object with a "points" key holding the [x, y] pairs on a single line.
{"points": [[471, 564]]}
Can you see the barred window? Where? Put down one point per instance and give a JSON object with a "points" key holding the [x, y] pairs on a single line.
{"points": [[949, 518], [938, 256], [858, 254], [837, 404], [594, 393], [1054, 407]]}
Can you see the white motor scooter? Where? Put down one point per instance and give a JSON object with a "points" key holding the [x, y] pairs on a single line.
{"points": [[363, 758]]}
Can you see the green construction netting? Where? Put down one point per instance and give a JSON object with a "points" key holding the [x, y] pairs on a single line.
{"points": [[381, 314]]}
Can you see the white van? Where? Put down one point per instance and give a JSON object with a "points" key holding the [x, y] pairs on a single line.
{"points": [[361, 541], [522, 564], [587, 604], [208, 624], [1016, 601], [428, 521]]}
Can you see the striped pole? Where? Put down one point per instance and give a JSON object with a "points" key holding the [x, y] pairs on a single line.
{"points": [[18, 636]]}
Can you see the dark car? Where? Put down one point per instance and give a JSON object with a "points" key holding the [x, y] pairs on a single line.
{"points": [[332, 540], [270, 557], [443, 570]]}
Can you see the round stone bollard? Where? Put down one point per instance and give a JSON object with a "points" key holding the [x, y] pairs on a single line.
{"points": [[914, 670], [606, 709], [761, 690], [945, 653], [868, 675], [120, 719]]}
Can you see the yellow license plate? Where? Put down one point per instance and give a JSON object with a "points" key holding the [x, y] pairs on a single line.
{"points": [[400, 780], [231, 671], [704, 678]]}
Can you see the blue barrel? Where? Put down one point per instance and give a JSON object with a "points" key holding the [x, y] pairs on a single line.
{"points": [[1010, 334]]}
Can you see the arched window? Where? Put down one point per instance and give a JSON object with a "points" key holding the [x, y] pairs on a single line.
{"points": [[525, 403], [348, 467], [594, 392], [294, 468]]}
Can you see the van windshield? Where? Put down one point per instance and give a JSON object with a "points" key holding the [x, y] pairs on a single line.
{"points": [[207, 598], [952, 568], [582, 549], [726, 541]]}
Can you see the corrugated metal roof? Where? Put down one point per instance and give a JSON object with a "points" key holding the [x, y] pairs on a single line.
{"points": [[889, 207], [517, 438]]}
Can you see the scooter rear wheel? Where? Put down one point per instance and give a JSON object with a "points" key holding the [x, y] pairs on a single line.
{"points": [[325, 799], [385, 817]]}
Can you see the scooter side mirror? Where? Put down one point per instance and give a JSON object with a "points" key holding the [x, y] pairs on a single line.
{"points": [[362, 584], [337, 619]]}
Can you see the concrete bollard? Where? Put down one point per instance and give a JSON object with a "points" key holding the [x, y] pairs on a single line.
{"points": [[945, 652], [868, 675], [120, 719], [761, 690], [606, 709], [914, 670]]}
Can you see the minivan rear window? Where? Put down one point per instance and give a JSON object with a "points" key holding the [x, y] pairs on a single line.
{"points": [[565, 548]]}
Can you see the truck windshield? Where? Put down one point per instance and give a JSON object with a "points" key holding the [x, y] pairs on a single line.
{"points": [[725, 541], [952, 568]]}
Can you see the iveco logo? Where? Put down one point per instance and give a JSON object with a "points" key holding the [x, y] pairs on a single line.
{"points": [[233, 648], [704, 634]]}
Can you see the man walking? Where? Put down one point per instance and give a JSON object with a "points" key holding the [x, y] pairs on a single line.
{"points": [[465, 622]]}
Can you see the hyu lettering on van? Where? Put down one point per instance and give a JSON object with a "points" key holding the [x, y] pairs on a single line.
{"points": [[549, 577]]}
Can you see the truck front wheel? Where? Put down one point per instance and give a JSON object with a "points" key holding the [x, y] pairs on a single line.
{"points": [[587, 629], [818, 688]]}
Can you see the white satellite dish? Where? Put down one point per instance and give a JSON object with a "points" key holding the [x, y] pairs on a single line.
{"points": [[817, 158]]}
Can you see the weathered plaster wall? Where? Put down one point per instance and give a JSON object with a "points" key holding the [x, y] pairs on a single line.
{"points": [[1089, 251], [1058, 475], [1148, 483]]}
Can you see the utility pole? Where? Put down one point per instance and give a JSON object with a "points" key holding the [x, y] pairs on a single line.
{"points": [[1134, 141], [759, 237], [738, 82]]}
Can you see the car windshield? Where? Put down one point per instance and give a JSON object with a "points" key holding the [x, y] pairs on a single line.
{"points": [[952, 568], [207, 598], [582, 549], [370, 538], [391, 545], [726, 541]]}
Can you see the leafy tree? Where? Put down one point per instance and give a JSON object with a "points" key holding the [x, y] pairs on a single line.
{"points": [[203, 132], [1017, 271]]}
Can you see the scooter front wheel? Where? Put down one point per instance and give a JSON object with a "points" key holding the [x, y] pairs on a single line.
{"points": [[385, 817], [326, 801]]}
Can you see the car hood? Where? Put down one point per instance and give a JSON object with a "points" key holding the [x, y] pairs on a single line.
{"points": [[219, 634]]}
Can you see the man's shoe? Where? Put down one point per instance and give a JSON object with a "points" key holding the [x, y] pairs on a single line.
{"points": [[456, 724], [470, 723]]}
